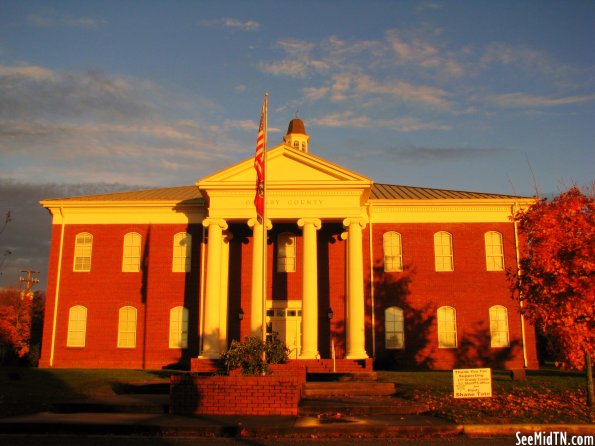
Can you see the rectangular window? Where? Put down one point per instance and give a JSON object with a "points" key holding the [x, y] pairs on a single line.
{"points": [[394, 329], [443, 251], [178, 327], [83, 247], [499, 326], [286, 252], [393, 252], [494, 251], [127, 327], [447, 327], [77, 326], [131, 253], [182, 252]]}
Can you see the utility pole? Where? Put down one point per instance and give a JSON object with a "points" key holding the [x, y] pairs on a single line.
{"points": [[29, 281]]}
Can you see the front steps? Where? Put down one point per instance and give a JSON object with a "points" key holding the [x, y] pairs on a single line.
{"points": [[355, 398], [348, 388]]}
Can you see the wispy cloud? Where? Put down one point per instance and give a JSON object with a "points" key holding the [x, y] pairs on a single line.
{"points": [[417, 51], [442, 154], [55, 19], [419, 71], [232, 23], [350, 119], [91, 126], [510, 100]]}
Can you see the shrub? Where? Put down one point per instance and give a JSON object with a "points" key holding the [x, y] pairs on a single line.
{"points": [[253, 355]]}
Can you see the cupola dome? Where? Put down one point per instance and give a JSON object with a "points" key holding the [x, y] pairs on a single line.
{"points": [[296, 136]]}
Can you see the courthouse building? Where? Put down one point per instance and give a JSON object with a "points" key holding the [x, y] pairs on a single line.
{"points": [[412, 277]]}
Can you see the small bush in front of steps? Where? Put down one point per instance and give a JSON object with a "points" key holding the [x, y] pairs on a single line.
{"points": [[248, 355]]}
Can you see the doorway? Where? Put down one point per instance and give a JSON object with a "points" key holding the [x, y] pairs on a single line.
{"points": [[284, 319]]}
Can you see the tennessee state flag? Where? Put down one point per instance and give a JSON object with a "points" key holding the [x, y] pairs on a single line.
{"points": [[259, 163]]}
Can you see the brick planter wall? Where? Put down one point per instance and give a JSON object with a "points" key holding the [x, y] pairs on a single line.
{"points": [[235, 395]]}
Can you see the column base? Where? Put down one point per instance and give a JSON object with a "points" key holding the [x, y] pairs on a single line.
{"points": [[309, 355], [357, 355]]}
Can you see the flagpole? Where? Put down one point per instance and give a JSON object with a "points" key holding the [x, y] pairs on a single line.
{"points": [[264, 220]]}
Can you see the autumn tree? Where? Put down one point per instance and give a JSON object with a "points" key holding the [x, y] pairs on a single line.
{"points": [[21, 319], [554, 283]]}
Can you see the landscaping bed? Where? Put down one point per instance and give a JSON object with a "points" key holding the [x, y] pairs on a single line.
{"points": [[545, 396]]}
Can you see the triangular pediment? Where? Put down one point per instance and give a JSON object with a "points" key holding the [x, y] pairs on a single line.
{"points": [[286, 167]]}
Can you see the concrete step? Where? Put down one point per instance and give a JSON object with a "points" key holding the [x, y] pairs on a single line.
{"points": [[359, 406], [348, 388]]}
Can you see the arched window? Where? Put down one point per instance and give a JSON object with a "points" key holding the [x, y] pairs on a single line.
{"points": [[394, 333], [83, 246], [178, 327], [77, 326], [393, 251], [286, 252], [443, 251], [494, 251], [182, 252], [127, 327], [499, 326], [447, 327], [131, 253]]}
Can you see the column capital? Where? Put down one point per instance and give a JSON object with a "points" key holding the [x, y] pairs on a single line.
{"points": [[309, 221], [254, 221], [362, 221], [215, 221]]}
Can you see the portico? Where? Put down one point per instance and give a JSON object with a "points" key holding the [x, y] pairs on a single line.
{"points": [[304, 195]]}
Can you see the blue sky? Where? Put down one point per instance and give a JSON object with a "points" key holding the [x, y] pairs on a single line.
{"points": [[471, 95]]}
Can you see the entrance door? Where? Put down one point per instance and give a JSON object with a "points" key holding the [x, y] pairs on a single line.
{"points": [[286, 323]]}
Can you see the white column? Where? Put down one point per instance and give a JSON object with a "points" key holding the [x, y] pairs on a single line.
{"points": [[224, 293], [256, 296], [210, 334], [309, 288], [356, 339]]}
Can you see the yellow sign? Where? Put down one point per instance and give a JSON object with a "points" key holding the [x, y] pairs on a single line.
{"points": [[472, 383]]}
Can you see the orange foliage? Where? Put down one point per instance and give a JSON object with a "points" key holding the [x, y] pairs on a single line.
{"points": [[15, 324], [555, 284]]}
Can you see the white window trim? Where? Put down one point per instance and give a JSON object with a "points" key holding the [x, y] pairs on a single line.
{"points": [[388, 240], [493, 310], [490, 255], [442, 328], [387, 311], [87, 245], [283, 268], [120, 331], [178, 328], [177, 265], [439, 266], [129, 267], [70, 337]]}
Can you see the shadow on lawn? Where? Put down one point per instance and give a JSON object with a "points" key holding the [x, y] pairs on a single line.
{"points": [[28, 390]]}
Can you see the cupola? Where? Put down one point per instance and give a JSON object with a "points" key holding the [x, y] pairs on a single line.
{"points": [[296, 136]]}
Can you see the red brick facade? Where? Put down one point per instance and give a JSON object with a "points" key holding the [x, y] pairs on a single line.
{"points": [[419, 290]]}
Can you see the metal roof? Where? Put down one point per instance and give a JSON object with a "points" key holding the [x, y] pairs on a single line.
{"points": [[379, 192], [397, 192], [180, 193]]}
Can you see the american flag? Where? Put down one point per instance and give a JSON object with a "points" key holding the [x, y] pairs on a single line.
{"points": [[259, 162]]}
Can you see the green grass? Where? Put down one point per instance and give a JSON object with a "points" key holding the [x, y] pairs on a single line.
{"points": [[26, 390], [546, 396]]}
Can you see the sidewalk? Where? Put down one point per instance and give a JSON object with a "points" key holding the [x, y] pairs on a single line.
{"points": [[144, 415]]}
